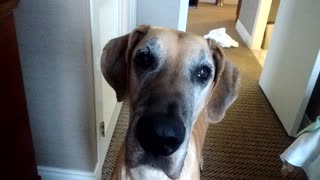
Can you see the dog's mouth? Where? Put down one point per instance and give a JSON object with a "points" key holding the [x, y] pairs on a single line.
{"points": [[159, 134]]}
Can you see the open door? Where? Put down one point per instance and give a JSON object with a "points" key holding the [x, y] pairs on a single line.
{"points": [[109, 19], [293, 61]]}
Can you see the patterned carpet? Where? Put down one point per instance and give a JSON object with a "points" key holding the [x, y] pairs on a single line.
{"points": [[248, 142]]}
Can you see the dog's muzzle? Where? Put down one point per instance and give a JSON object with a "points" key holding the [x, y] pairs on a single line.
{"points": [[160, 134]]}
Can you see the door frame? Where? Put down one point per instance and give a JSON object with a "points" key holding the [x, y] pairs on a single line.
{"points": [[254, 40], [260, 23]]}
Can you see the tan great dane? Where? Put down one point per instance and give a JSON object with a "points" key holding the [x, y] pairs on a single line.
{"points": [[176, 83]]}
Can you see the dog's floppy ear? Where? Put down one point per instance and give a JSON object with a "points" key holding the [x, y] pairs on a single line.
{"points": [[225, 86], [114, 60]]}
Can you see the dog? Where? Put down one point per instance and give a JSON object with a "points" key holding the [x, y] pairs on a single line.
{"points": [[176, 83]]}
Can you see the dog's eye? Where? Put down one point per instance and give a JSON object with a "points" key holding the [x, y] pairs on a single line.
{"points": [[203, 73], [144, 60]]}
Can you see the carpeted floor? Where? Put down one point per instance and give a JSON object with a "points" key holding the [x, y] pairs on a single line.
{"points": [[248, 142]]}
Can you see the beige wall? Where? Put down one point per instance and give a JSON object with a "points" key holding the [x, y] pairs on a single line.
{"points": [[248, 13], [165, 13], [56, 58]]}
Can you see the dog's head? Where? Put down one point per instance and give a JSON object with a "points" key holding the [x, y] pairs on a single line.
{"points": [[169, 77]]}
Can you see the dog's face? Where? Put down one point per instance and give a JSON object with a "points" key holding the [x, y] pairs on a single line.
{"points": [[170, 77]]}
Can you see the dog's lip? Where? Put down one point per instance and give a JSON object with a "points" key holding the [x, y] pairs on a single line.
{"points": [[145, 160]]}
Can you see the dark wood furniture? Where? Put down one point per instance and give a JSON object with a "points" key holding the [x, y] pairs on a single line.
{"points": [[17, 153], [193, 2], [238, 9], [313, 109]]}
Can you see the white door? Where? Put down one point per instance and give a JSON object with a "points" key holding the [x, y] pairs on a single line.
{"points": [[292, 64], [109, 19]]}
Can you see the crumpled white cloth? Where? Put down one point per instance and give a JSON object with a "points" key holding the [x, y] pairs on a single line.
{"points": [[304, 152], [222, 38]]}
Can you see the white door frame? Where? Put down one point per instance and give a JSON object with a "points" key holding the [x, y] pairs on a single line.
{"points": [[127, 16], [260, 23]]}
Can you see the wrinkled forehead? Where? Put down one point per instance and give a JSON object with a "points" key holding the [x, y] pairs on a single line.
{"points": [[175, 46]]}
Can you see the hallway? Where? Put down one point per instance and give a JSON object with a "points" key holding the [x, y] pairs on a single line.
{"points": [[248, 142]]}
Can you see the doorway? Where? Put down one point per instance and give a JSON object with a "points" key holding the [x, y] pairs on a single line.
{"points": [[255, 25], [207, 15], [250, 116]]}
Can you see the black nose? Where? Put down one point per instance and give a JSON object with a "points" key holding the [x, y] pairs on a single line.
{"points": [[160, 134]]}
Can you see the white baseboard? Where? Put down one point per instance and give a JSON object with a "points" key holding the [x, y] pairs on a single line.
{"points": [[246, 37], [51, 173], [98, 171], [231, 2], [208, 1]]}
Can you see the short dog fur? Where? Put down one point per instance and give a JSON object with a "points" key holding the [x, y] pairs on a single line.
{"points": [[176, 83]]}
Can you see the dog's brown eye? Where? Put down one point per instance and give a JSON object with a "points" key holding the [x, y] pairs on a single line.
{"points": [[144, 60], [203, 73]]}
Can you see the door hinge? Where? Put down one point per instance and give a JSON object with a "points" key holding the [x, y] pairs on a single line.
{"points": [[102, 130]]}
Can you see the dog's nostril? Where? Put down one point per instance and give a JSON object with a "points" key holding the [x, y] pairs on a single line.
{"points": [[160, 135], [170, 140]]}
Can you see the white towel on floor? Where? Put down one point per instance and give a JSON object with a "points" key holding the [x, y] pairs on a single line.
{"points": [[304, 152], [222, 38]]}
